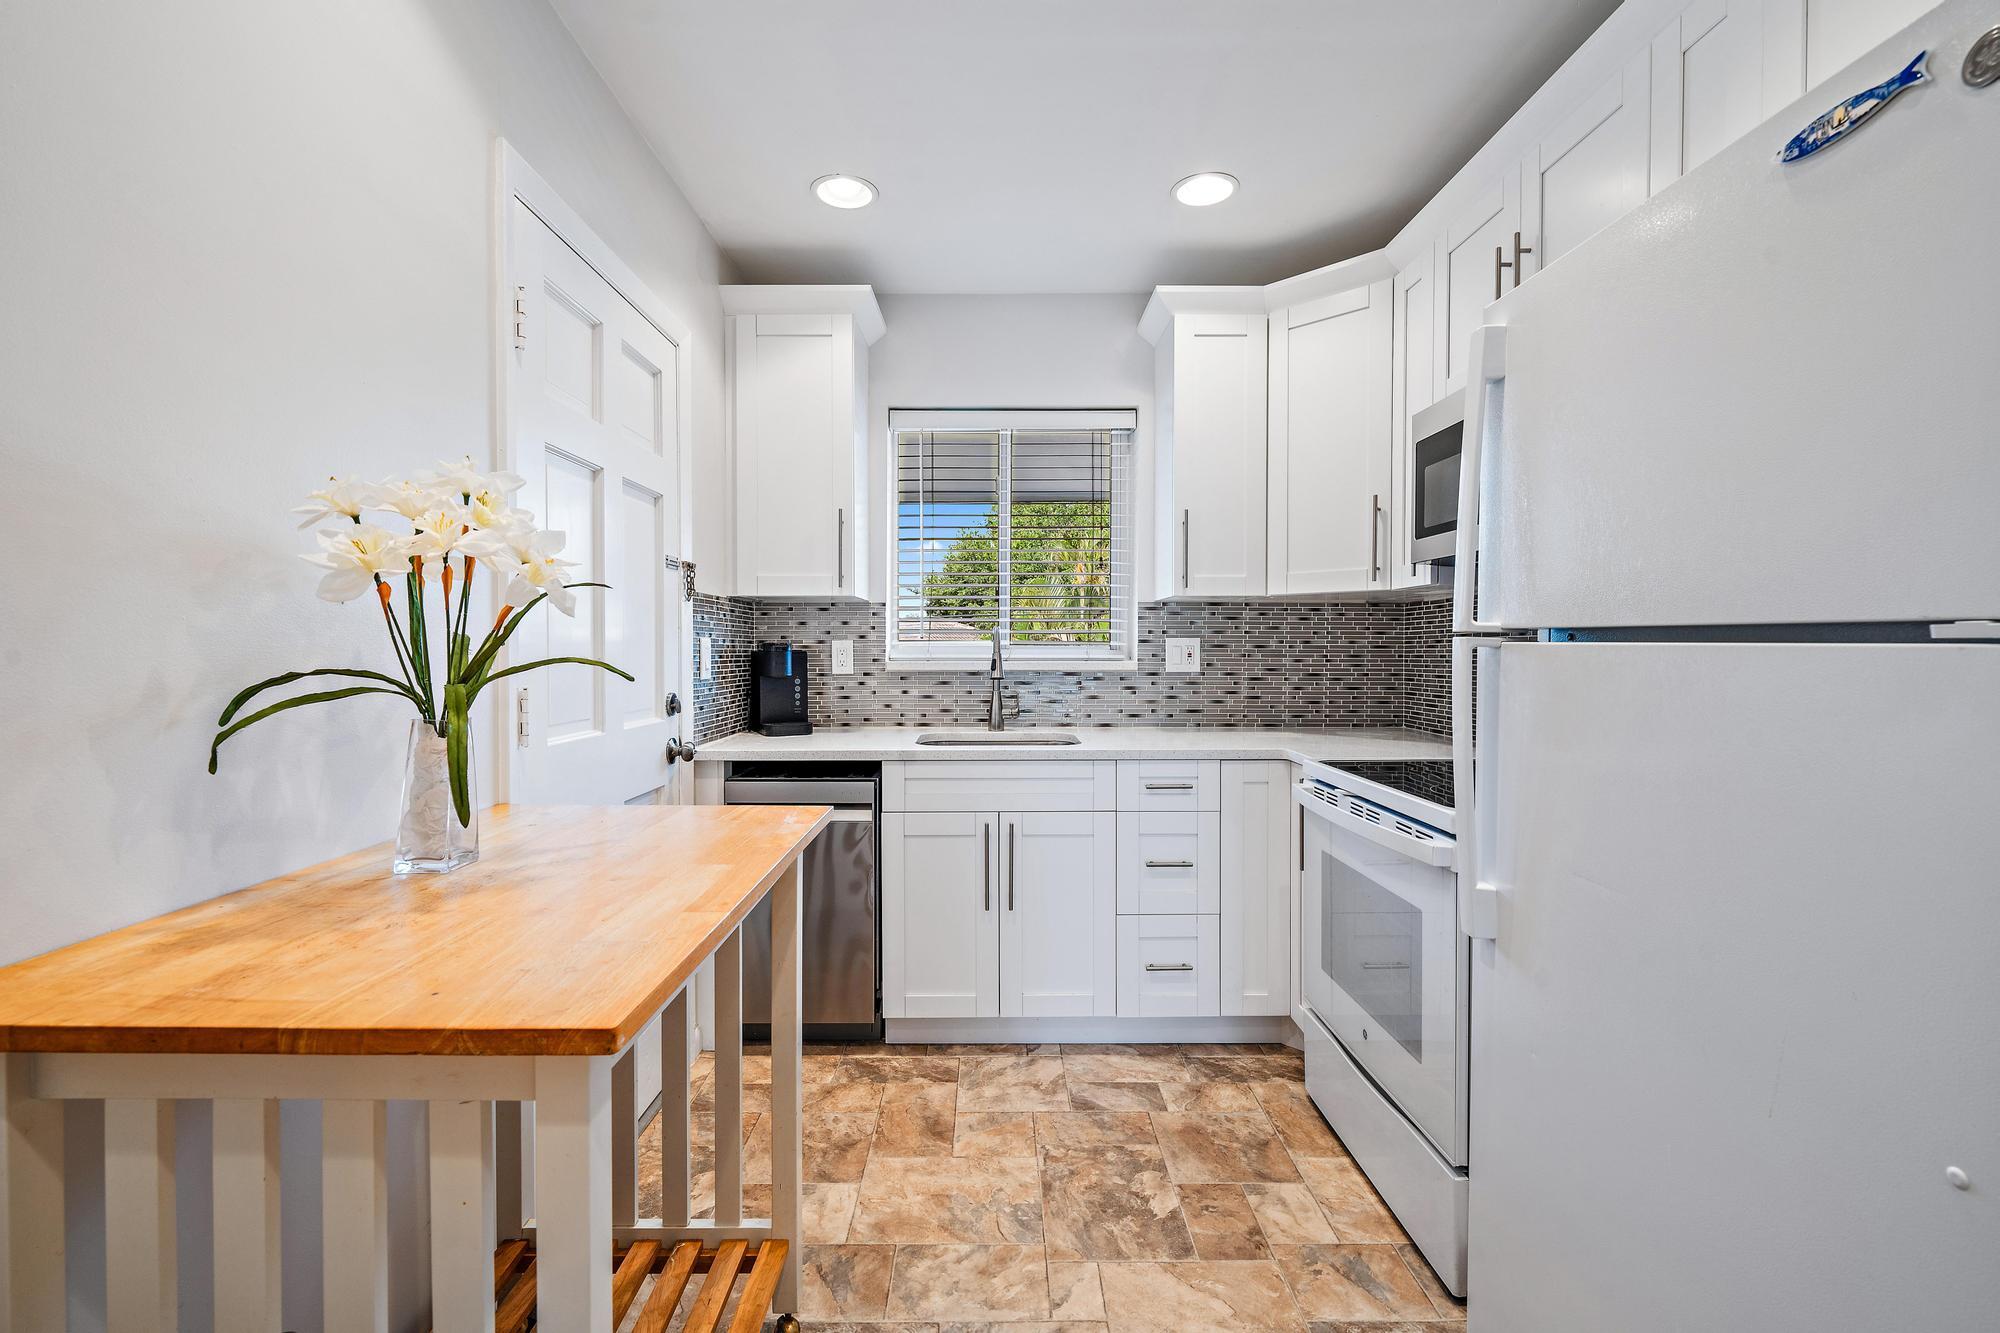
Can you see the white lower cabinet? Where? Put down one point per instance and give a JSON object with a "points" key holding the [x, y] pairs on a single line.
{"points": [[1169, 862], [1256, 901], [999, 915], [1167, 966]]}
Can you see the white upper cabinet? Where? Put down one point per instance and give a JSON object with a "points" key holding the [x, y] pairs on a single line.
{"points": [[1330, 480], [1208, 482], [1832, 34], [1413, 386], [1588, 170], [1715, 77], [1468, 271], [798, 372]]}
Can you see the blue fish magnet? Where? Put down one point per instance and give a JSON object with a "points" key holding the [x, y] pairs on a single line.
{"points": [[1850, 115]]}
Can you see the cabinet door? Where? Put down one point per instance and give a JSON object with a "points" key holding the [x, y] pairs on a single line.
{"points": [[1589, 171], [1330, 446], [1466, 274], [1167, 966], [1413, 387], [940, 916], [1256, 935], [1217, 464], [1829, 35], [794, 395], [1058, 905], [1712, 84]]}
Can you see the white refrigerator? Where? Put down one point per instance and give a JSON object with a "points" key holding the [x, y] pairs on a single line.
{"points": [[1734, 767]]}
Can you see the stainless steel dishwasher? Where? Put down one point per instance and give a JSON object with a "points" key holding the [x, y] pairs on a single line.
{"points": [[841, 948]]}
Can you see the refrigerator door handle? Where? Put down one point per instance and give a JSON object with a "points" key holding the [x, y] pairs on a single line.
{"points": [[1487, 367], [1478, 897]]}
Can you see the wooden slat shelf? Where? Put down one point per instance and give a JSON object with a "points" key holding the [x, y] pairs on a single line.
{"points": [[672, 1268]]}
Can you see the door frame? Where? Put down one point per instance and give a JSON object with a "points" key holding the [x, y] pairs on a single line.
{"points": [[515, 179]]}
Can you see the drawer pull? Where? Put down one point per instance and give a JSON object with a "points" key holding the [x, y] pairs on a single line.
{"points": [[1170, 967], [1385, 967], [1170, 865], [1170, 786]]}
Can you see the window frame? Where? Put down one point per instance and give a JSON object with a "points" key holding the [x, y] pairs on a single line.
{"points": [[976, 655]]}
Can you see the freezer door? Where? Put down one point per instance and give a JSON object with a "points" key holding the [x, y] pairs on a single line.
{"points": [[1739, 1019], [1768, 395]]}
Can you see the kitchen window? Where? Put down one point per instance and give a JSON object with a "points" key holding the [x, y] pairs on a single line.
{"points": [[1016, 524]]}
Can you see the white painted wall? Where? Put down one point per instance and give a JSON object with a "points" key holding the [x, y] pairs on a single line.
{"points": [[249, 243], [1004, 351]]}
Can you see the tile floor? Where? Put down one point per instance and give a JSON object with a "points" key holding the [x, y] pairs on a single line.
{"points": [[1074, 1189]]}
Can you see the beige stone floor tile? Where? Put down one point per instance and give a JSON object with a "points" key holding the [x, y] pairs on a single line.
{"points": [[1350, 1326], [1448, 1306], [964, 1050], [1243, 1069], [896, 1069], [948, 1200], [1111, 1203], [1298, 1121], [969, 1282], [830, 1098], [917, 1120], [1289, 1215], [1119, 1096], [995, 1134], [836, 1146], [1034, 1326], [820, 1326], [825, 1210], [1248, 1297], [1215, 1098], [1075, 1292], [1208, 1147], [1092, 1129], [1121, 1048], [1352, 1282], [1012, 1083], [844, 1281], [1123, 1067], [1235, 1050], [1352, 1207], [1222, 1223]]}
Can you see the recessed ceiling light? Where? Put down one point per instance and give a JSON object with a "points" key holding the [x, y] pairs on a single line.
{"points": [[1205, 188], [844, 191]]}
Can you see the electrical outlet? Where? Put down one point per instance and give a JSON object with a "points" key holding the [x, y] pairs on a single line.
{"points": [[843, 657], [1183, 655], [708, 657]]}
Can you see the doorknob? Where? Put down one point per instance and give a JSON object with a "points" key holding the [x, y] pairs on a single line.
{"points": [[673, 704], [678, 749]]}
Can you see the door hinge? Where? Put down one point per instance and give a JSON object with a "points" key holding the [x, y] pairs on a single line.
{"points": [[521, 718], [520, 319], [686, 567]]}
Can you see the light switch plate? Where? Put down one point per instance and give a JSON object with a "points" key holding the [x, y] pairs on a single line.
{"points": [[1183, 655], [708, 657], [843, 657]]}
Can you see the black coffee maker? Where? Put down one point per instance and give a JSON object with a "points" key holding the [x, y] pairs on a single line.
{"points": [[778, 690]]}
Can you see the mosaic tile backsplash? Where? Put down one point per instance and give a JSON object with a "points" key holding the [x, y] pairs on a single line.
{"points": [[1264, 664]]}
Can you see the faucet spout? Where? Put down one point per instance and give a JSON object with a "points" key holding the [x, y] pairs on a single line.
{"points": [[995, 718]]}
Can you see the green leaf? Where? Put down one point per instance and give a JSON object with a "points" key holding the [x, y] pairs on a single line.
{"points": [[496, 641], [484, 681], [291, 676], [301, 701], [458, 750]]}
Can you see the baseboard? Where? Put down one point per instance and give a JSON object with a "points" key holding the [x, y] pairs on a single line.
{"points": [[1137, 1031]]}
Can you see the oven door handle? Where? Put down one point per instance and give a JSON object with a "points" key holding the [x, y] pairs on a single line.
{"points": [[1439, 851]]}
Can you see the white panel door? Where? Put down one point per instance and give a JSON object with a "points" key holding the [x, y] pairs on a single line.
{"points": [[1590, 170], [593, 412], [1058, 907], [1256, 918], [941, 910], [1468, 273], [796, 532], [1330, 448], [1413, 387], [1217, 476], [1743, 987]]}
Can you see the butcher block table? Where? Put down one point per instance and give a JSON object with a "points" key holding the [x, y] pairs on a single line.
{"points": [[510, 996]]}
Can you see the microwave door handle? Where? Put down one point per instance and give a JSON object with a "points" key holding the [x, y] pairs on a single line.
{"points": [[1488, 366]]}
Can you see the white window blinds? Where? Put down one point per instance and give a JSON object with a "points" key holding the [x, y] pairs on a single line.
{"points": [[1026, 529]]}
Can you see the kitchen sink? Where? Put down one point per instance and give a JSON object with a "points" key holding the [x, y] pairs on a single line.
{"points": [[998, 738]]}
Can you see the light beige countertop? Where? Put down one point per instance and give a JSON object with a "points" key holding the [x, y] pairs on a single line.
{"points": [[1136, 742]]}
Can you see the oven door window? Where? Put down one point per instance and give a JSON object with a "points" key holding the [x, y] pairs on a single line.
{"points": [[1372, 947]]}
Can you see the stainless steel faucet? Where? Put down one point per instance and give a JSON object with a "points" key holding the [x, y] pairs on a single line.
{"points": [[996, 719]]}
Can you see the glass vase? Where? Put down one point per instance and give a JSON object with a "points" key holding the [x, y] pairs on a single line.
{"points": [[429, 838]]}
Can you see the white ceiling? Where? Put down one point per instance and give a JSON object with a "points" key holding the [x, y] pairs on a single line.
{"points": [[1029, 145]]}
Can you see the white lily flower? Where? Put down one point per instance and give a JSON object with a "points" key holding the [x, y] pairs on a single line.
{"points": [[491, 511], [462, 478], [440, 530], [538, 569], [409, 498], [341, 497], [354, 555]]}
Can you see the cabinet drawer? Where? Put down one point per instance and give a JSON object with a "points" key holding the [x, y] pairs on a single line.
{"points": [[1148, 785], [1167, 966], [1169, 862], [1024, 785]]}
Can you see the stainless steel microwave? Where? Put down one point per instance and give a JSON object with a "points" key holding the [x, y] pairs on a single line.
{"points": [[1437, 437]]}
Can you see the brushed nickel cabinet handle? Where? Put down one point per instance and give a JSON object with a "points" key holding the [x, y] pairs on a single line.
{"points": [[1385, 967], [1170, 967], [1170, 786], [1187, 517], [839, 549], [1012, 829], [1375, 539], [1499, 263], [986, 866], [1170, 865]]}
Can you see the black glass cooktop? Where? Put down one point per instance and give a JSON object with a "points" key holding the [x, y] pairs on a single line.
{"points": [[1426, 779]]}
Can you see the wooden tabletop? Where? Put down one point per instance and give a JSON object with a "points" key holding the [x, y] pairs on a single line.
{"points": [[572, 928]]}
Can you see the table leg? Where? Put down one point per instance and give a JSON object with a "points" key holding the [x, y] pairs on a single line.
{"points": [[787, 1156], [247, 1293], [573, 1193], [462, 1215], [31, 1232], [142, 1291]]}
